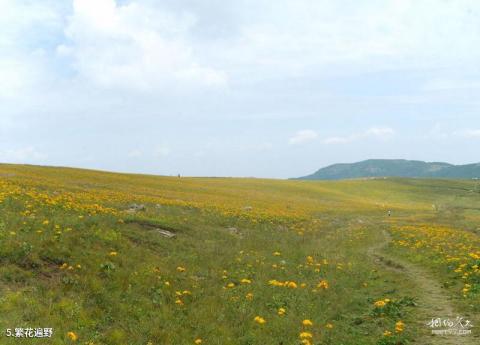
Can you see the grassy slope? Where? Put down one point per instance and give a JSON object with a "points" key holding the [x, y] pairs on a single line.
{"points": [[121, 284]]}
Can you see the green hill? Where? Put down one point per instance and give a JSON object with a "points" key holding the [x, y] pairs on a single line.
{"points": [[394, 168]]}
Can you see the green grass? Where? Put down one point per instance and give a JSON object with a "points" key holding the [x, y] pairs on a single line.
{"points": [[130, 297]]}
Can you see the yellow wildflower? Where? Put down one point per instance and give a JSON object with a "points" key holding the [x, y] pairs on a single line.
{"points": [[259, 319], [307, 322], [399, 327], [292, 285], [306, 335], [323, 284], [72, 336]]}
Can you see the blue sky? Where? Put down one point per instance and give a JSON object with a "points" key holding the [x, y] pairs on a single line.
{"points": [[246, 88]]}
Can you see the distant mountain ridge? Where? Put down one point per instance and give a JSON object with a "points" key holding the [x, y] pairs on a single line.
{"points": [[395, 168]]}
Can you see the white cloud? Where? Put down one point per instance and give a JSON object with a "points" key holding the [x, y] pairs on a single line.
{"points": [[468, 133], [14, 77], [303, 136], [133, 46], [162, 151], [135, 153], [17, 17], [21, 155], [293, 36], [373, 132], [22, 62], [380, 132]]}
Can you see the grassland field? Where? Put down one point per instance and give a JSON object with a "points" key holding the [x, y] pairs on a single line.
{"points": [[252, 262]]}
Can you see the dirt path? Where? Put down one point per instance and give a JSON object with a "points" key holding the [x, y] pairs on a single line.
{"points": [[433, 300]]}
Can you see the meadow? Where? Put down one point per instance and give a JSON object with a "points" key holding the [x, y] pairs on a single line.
{"points": [[251, 261]]}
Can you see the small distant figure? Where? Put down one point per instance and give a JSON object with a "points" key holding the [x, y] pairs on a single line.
{"points": [[389, 213], [178, 175]]}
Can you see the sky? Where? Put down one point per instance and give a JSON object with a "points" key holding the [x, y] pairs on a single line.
{"points": [[255, 88]]}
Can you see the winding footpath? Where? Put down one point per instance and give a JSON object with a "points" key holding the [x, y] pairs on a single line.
{"points": [[433, 300]]}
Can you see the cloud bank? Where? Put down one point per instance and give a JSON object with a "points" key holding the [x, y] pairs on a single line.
{"points": [[219, 88]]}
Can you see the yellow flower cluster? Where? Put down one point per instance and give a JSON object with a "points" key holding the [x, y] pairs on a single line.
{"points": [[399, 327], [305, 335], [382, 303], [454, 249], [288, 284]]}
